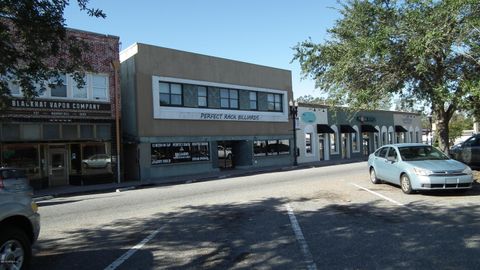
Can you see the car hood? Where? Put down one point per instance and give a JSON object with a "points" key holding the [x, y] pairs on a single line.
{"points": [[438, 165]]}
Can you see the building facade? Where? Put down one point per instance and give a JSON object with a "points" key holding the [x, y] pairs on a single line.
{"points": [[326, 133], [66, 135], [185, 113]]}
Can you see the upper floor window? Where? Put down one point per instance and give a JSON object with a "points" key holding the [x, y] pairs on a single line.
{"points": [[170, 94], [202, 96], [99, 87], [274, 102], [95, 87], [253, 100], [229, 98], [59, 88]]}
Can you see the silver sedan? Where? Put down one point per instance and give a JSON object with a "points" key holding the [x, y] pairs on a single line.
{"points": [[418, 167]]}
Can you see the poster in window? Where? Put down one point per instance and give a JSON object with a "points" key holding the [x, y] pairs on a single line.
{"points": [[167, 153]]}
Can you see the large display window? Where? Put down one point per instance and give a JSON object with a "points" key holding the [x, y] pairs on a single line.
{"points": [[178, 152], [22, 156]]}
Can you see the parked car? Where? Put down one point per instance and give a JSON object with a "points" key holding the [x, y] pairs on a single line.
{"points": [[14, 180], [416, 166], [224, 152], [19, 229], [97, 161], [468, 151]]}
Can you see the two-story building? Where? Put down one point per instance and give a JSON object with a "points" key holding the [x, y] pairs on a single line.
{"points": [[187, 113], [67, 134]]}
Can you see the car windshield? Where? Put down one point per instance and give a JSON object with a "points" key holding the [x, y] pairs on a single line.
{"points": [[422, 152]]}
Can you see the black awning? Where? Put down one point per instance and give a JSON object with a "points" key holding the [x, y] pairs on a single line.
{"points": [[400, 129], [324, 129], [369, 128], [347, 129]]}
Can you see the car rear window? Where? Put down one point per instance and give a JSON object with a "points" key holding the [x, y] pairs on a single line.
{"points": [[12, 173]]}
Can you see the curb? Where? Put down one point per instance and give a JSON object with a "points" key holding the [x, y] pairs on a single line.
{"points": [[43, 198]]}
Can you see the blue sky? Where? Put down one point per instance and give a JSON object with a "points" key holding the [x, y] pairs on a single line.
{"points": [[262, 32]]}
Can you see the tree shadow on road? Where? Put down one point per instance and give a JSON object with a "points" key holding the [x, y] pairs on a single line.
{"points": [[258, 235]]}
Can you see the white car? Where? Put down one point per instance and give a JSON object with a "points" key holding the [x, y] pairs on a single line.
{"points": [[97, 161], [224, 152]]}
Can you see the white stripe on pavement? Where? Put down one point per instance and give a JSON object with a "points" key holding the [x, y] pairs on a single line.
{"points": [[301, 240], [132, 251], [380, 195]]}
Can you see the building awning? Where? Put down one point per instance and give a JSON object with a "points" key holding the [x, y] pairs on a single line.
{"points": [[347, 129], [400, 129], [369, 128], [324, 129]]}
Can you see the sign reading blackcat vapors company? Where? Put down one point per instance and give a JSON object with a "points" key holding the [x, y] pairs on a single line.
{"points": [[58, 109], [177, 152]]}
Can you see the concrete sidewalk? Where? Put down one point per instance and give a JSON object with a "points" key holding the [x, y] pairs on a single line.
{"points": [[49, 193]]}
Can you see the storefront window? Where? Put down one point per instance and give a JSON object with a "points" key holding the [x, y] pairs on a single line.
{"points": [[260, 148], [308, 143], [333, 143], [96, 159], [25, 157], [167, 153]]}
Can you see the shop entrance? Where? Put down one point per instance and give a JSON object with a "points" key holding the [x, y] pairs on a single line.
{"points": [[225, 154], [321, 147], [57, 166], [366, 145], [345, 145]]}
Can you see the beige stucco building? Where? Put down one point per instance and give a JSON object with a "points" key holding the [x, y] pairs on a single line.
{"points": [[186, 113]]}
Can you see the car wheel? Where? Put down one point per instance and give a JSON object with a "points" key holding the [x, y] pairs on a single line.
{"points": [[405, 184], [373, 176], [15, 249]]}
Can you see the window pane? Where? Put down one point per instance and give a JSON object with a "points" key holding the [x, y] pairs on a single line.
{"points": [[308, 143], [60, 90], [164, 88], [11, 131], [259, 148], [176, 89], [69, 132], [86, 131], [253, 105], [253, 96], [202, 101], [104, 132], [278, 107], [176, 100], [277, 98], [234, 94], [224, 103], [223, 93], [79, 92], [31, 132], [234, 103], [51, 131], [202, 91], [272, 148], [99, 81], [270, 98], [284, 147], [271, 106], [164, 99]]}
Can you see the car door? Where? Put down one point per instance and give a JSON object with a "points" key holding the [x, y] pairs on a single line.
{"points": [[380, 162], [392, 167], [476, 152]]}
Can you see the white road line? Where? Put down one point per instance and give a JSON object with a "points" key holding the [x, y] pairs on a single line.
{"points": [[132, 251], [301, 240], [380, 195]]}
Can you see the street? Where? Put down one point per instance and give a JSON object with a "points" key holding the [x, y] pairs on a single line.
{"points": [[317, 218]]}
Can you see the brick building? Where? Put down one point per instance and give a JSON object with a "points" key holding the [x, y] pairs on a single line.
{"points": [[67, 134]]}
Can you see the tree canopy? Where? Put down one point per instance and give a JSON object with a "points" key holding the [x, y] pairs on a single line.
{"points": [[35, 45], [422, 50]]}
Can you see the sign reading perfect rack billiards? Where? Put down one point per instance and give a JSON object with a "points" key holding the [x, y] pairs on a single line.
{"points": [[56, 110]]}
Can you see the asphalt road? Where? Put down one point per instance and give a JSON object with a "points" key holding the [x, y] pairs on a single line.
{"points": [[318, 218]]}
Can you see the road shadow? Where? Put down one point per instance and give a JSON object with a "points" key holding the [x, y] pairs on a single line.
{"points": [[259, 235]]}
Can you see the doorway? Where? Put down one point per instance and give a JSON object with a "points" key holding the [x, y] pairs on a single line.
{"points": [[225, 154], [57, 160], [345, 139], [366, 145], [321, 147]]}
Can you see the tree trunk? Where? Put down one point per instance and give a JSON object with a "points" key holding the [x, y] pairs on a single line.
{"points": [[442, 131]]}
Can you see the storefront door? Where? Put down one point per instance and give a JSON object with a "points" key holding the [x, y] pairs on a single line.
{"points": [[57, 167], [321, 147], [345, 145]]}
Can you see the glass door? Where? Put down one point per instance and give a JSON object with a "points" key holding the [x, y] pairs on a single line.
{"points": [[57, 167]]}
